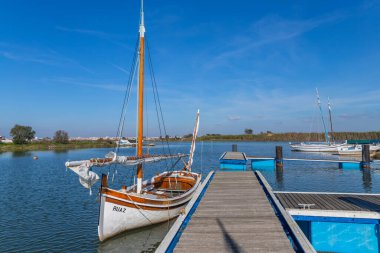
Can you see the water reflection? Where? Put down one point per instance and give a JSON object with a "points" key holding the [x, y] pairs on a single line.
{"points": [[60, 151], [280, 177], [16, 154], [145, 239], [367, 180], [47, 181]]}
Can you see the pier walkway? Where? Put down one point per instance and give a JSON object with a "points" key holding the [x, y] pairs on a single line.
{"points": [[234, 215], [325, 204]]}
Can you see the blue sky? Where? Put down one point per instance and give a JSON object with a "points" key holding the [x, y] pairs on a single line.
{"points": [[244, 64]]}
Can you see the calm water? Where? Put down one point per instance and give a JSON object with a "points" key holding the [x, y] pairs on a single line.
{"points": [[43, 207]]}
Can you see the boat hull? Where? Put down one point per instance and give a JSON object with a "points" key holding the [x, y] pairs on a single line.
{"points": [[306, 147], [355, 153], [115, 219], [120, 212], [357, 150]]}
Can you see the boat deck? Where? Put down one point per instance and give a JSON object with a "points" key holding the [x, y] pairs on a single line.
{"points": [[234, 215]]}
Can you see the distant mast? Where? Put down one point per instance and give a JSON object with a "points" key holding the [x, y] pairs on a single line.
{"points": [[323, 120], [331, 124], [140, 100]]}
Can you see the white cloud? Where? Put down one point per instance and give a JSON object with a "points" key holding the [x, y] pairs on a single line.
{"points": [[84, 31], [104, 86], [113, 38], [233, 118], [49, 57], [268, 30]]}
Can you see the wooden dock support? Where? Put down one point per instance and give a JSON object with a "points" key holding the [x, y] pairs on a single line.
{"points": [[234, 147], [366, 159], [279, 157]]}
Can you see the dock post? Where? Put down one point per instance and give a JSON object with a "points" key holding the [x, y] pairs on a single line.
{"points": [[279, 160], [234, 147], [366, 160]]}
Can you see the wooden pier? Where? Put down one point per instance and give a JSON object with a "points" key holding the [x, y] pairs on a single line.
{"points": [[240, 161], [336, 222], [234, 215], [330, 204], [233, 161], [237, 211]]}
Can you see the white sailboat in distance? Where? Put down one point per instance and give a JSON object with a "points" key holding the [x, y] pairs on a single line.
{"points": [[327, 145], [356, 150]]}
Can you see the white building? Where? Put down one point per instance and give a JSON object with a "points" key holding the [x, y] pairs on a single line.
{"points": [[5, 140]]}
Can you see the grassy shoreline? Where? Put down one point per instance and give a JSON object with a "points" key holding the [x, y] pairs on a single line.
{"points": [[34, 146], [291, 137], [262, 137]]}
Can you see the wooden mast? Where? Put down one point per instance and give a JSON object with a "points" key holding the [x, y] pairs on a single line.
{"points": [[140, 100]]}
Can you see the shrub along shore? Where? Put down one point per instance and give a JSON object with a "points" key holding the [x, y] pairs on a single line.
{"points": [[292, 137], [49, 145], [262, 137]]}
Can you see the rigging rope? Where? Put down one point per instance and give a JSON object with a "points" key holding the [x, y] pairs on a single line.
{"points": [[127, 96], [124, 109], [158, 105]]}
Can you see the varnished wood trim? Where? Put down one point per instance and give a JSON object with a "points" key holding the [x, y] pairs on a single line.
{"points": [[131, 205], [138, 199], [104, 180]]}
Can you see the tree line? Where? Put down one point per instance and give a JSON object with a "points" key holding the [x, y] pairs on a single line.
{"points": [[25, 134], [293, 136]]}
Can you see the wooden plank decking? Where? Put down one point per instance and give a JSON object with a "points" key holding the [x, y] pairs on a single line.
{"points": [[234, 156], [330, 201], [234, 216]]}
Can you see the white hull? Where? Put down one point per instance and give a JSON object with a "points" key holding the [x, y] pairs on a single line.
{"points": [[357, 150], [121, 211], [113, 222], [316, 147]]}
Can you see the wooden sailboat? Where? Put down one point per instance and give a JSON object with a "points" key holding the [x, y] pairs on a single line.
{"points": [[148, 202]]}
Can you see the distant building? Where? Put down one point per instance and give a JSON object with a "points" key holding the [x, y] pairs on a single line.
{"points": [[37, 139], [131, 139], [91, 138], [4, 140]]}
